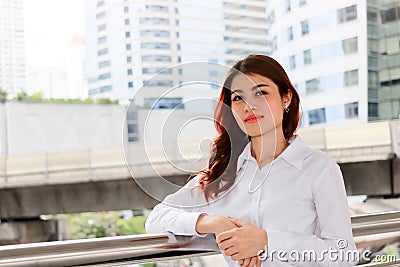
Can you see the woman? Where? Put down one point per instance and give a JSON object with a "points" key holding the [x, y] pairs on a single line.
{"points": [[268, 197]]}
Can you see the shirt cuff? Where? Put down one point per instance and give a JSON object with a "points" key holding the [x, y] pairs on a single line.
{"points": [[187, 224], [278, 240]]}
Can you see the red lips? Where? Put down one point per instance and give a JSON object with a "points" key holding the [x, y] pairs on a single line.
{"points": [[253, 118]]}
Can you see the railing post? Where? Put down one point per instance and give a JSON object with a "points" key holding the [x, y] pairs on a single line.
{"points": [[46, 165], [394, 137], [90, 162]]}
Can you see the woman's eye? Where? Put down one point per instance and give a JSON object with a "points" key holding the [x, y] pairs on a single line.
{"points": [[237, 98], [259, 93]]}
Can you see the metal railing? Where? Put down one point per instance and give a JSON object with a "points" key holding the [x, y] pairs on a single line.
{"points": [[121, 250]]}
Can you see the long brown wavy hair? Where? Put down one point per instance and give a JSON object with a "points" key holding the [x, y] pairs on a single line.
{"points": [[230, 141]]}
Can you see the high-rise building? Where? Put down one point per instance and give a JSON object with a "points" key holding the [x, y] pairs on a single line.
{"points": [[129, 42], [12, 47], [343, 56], [383, 44]]}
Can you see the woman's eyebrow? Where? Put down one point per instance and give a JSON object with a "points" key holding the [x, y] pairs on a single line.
{"points": [[236, 90], [253, 88], [259, 85]]}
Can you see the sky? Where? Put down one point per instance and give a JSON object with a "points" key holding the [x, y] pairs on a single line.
{"points": [[49, 28]]}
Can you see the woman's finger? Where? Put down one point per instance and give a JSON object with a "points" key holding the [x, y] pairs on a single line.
{"points": [[246, 262], [224, 235], [230, 251]]}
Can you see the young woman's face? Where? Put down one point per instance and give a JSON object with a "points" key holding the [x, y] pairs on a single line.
{"points": [[257, 105]]}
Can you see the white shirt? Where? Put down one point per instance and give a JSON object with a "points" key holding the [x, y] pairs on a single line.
{"points": [[299, 199]]}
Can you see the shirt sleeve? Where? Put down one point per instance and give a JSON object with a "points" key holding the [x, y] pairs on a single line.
{"points": [[334, 246], [178, 213]]}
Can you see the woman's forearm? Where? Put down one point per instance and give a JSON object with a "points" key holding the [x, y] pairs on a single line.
{"points": [[213, 224]]}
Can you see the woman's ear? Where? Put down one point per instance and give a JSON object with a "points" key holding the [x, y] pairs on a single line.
{"points": [[287, 99]]}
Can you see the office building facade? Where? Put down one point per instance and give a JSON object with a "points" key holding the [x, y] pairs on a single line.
{"points": [[336, 53], [133, 44], [12, 47]]}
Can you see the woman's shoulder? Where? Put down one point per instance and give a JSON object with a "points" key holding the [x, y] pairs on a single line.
{"points": [[318, 158]]}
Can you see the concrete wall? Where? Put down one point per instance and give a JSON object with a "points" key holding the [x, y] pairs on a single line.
{"points": [[41, 128]]}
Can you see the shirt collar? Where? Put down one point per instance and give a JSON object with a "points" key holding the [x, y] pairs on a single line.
{"points": [[294, 154]]}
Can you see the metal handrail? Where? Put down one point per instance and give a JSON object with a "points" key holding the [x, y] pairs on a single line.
{"points": [[118, 251], [375, 223]]}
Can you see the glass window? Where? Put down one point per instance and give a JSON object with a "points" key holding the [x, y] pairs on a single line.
{"points": [[130, 84], [128, 59], [372, 78], [290, 33], [347, 14], [104, 76], [373, 110], [159, 83], [126, 9], [302, 2], [373, 46], [312, 86], [157, 58], [154, 33], [105, 88], [350, 45], [372, 62], [152, 45], [104, 64], [373, 30], [304, 27], [132, 128], [292, 62], [307, 57], [388, 15], [102, 52], [100, 3], [129, 71], [101, 15], [372, 15], [101, 27], [102, 40], [156, 21], [156, 8], [316, 116], [288, 7], [156, 70], [128, 46], [127, 34], [350, 78], [351, 110], [127, 22]]}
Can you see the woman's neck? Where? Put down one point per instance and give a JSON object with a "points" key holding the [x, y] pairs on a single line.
{"points": [[268, 147]]}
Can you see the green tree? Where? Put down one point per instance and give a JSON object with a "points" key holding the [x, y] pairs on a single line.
{"points": [[21, 97], [131, 226], [3, 96], [36, 97], [106, 101]]}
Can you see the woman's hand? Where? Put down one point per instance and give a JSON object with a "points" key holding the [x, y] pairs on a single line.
{"points": [[250, 262], [213, 224], [242, 242]]}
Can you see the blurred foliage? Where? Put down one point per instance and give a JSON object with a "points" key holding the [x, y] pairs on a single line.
{"points": [[3, 96], [102, 224], [38, 98], [131, 226]]}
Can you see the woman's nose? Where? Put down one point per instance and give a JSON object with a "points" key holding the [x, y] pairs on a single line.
{"points": [[250, 106]]}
